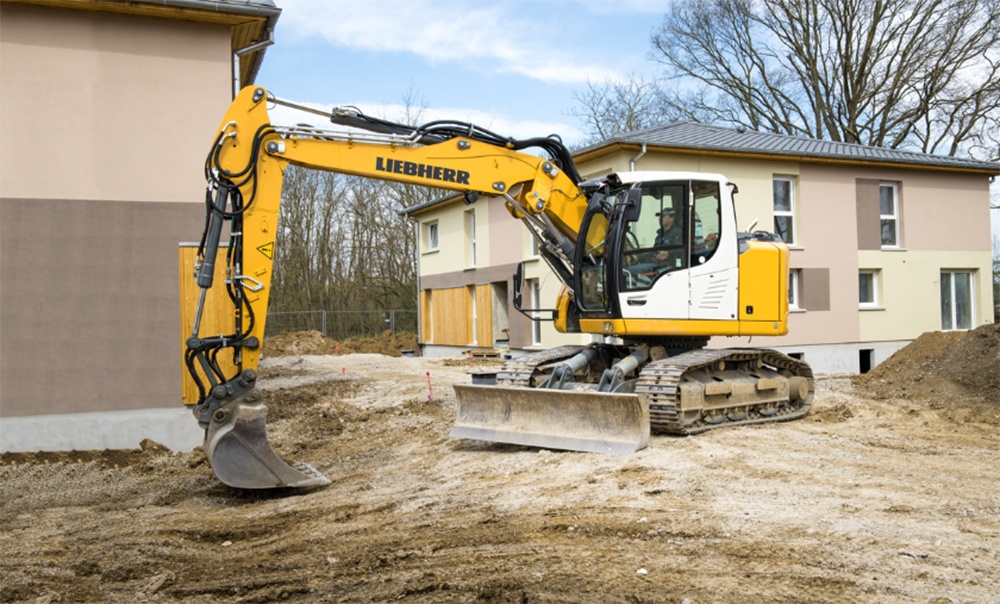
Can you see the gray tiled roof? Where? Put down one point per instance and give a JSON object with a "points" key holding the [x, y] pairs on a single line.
{"points": [[689, 135]]}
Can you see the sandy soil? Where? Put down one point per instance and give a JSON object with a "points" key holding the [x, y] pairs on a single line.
{"points": [[871, 498]]}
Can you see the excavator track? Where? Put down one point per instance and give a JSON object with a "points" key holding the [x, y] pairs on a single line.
{"points": [[705, 389], [519, 371], [688, 393]]}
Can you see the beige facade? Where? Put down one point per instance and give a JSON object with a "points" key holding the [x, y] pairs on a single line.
{"points": [[942, 227], [106, 112]]}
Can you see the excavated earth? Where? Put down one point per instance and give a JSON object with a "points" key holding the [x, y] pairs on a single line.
{"points": [[886, 492]]}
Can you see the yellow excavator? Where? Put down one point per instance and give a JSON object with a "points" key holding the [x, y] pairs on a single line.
{"points": [[652, 266]]}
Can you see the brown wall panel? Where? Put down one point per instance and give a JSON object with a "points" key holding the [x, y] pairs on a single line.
{"points": [[869, 225], [492, 274], [89, 304], [814, 289]]}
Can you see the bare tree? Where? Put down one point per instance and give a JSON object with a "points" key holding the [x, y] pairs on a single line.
{"points": [[611, 108], [342, 243], [308, 239], [919, 74]]}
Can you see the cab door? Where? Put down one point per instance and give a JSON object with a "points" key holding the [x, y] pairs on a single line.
{"points": [[655, 254], [713, 278]]}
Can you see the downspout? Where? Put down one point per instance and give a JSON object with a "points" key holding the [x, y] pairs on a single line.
{"points": [[237, 84], [416, 270], [631, 162]]}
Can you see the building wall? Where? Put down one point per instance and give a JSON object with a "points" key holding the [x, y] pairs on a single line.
{"points": [[943, 226], [446, 277], [106, 120]]}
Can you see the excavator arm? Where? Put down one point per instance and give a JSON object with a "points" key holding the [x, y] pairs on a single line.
{"points": [[244, 170]]}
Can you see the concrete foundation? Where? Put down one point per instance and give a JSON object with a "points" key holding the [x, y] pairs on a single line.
{"points": [[173, 428]]}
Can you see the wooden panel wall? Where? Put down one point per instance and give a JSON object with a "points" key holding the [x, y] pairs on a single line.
{"points": [[451, 316], [216, 319], [426, 324], [484, 315]]}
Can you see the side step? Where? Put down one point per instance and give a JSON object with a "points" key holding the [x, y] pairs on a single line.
{"points": [[573, 420]]}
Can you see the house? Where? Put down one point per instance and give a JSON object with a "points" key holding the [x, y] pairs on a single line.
{"points": [[106, 112], [885, 244]]}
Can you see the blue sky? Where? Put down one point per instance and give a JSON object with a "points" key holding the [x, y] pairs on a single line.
{"points": [[510, 66], [507, 65]]}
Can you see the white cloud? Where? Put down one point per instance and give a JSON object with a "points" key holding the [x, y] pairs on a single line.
{"points": [[502, 37]]}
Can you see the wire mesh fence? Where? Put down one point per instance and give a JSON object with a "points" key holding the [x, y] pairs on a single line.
{"points": [[342, 324]]}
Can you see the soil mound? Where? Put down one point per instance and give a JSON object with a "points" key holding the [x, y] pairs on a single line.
{"points": [[313, 342], [940, 365]]}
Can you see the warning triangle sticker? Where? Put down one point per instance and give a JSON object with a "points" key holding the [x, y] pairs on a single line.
{"points": [[267, 249]]}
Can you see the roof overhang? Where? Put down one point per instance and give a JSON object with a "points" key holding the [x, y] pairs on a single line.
{"points": [[251, 21], [618, 146], [434, 204]]}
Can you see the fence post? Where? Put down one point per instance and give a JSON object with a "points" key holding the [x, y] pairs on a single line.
{"points": [[324, 324]]}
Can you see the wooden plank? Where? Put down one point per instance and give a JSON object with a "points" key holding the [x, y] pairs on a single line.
{"points": [[484, 315], [451, 317], [216, 319], [426, 315]]}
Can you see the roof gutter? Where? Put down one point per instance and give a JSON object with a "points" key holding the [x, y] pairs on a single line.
{"points": [[617, 145], [245, 7], [255, 67]]}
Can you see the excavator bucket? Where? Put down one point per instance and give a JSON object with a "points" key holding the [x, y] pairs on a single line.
{"points": [[573, 420], [238, 450]]}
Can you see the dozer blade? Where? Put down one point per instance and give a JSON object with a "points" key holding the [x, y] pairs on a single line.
{"points": [[237, 448], [574, 420]]}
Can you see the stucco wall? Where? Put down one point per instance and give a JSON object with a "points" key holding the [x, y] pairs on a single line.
{"points": [[943, 225], [108, 107], [106, 121]]}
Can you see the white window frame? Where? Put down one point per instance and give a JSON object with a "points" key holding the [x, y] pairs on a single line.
{"points": [[954, 307], [535, 301], [875, 278], [794, 295], [894, 217], [790, 213], [470, 229], [432, 236]]}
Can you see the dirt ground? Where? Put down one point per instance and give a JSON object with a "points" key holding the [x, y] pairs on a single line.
{"points": [[886, 492]]}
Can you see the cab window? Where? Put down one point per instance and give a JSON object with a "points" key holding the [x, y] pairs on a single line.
{"points": [[706, 222], [656, 242], [677, 228]]}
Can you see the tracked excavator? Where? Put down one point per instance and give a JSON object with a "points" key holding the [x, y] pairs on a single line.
{"points": [[652, 266]]}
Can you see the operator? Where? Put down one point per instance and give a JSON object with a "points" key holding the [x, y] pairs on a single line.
{"points": [[669, 233]]}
